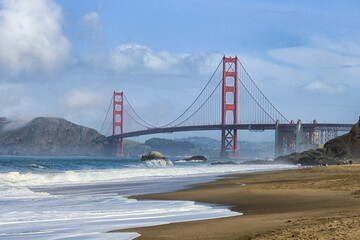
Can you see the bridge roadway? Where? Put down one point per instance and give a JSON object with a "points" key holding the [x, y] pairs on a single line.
{"points": [[250, 127]]}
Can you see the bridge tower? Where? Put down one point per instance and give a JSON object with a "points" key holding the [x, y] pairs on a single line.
{"points": [[118, 122], [230, 96]]}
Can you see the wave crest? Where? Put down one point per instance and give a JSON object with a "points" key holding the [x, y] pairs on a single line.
{"points": [[159, 163]]}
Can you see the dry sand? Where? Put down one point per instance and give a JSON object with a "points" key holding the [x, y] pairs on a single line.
{"points": [[310, 203]]}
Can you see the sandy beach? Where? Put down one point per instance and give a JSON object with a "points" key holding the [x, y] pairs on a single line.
{"points": [[309, 203]]}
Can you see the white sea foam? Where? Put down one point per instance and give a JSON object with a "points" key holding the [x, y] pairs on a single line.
{"points": [[184, 161], [159, 163], [34, 166], [91, 215], [80, 212], [126, 174], [12, 193]]}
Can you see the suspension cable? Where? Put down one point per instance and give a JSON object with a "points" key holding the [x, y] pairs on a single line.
{"points": [[247, 90], [149, 125], [198, 109], [107, 113], [107, 132], [230, 67], [201, 104], [261, 92], [196, 97]]}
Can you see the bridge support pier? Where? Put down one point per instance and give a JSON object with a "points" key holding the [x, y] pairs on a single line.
{"points": [[278, 147], [118, 147], [118, 122], [300, 137], [230, 98], [306, 138], [229, 142], [290, 138], [285, 139], [315, 135]]}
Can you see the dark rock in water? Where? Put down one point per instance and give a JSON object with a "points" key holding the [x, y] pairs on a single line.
{"points": [[224, 163], [152, 155], [335, 151], [51, 136], [196, 158]]}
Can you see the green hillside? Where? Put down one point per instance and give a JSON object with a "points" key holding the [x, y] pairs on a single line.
{"points": [[198, 146]]}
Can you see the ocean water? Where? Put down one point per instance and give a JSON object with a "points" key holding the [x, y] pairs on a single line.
{"points": [[85, 197]]}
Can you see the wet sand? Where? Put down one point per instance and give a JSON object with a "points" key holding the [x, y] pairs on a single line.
{"points": [[310, 203]]}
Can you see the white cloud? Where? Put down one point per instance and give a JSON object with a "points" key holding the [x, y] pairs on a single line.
{"points": [[81, 98], [85, 107], [138, 58], [10, 94], [15, 104], [323, 88], [349, 47], [130, 57], [92, 20], [322, 64], [313, 58], [269, 73], [31, 36]]}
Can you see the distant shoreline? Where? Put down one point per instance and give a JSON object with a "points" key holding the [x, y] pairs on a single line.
{"points": [[308, 203]]}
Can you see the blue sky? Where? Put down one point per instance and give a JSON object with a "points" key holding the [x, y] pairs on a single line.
{"points": [[64, 58]]}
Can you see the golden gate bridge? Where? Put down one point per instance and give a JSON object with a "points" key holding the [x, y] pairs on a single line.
{"points": [[230, 101]]}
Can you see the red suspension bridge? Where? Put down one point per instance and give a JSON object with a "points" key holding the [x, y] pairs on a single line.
{"points": [[230, 101]]}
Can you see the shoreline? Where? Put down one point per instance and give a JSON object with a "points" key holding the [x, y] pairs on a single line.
{"points": [[303, 203]]}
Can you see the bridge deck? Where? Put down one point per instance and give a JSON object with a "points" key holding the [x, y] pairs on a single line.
{"points": [[250, 127]]}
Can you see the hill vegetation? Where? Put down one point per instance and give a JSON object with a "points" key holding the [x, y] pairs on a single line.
{"points": [[51, 136], [247, 150], [133, 148]]}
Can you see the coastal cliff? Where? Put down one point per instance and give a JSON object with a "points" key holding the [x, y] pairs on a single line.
{"points": [[335, 151], [51, 136]]}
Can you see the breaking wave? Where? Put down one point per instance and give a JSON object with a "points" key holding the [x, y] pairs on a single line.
{"points": [[159, 163], [152, 170], [185, 161]]}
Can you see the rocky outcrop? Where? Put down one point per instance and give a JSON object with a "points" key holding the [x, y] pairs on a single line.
{"points": [[345, 146], [195, 158], [153, 155], [335, 151], [156, 159], [51, 136]]}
